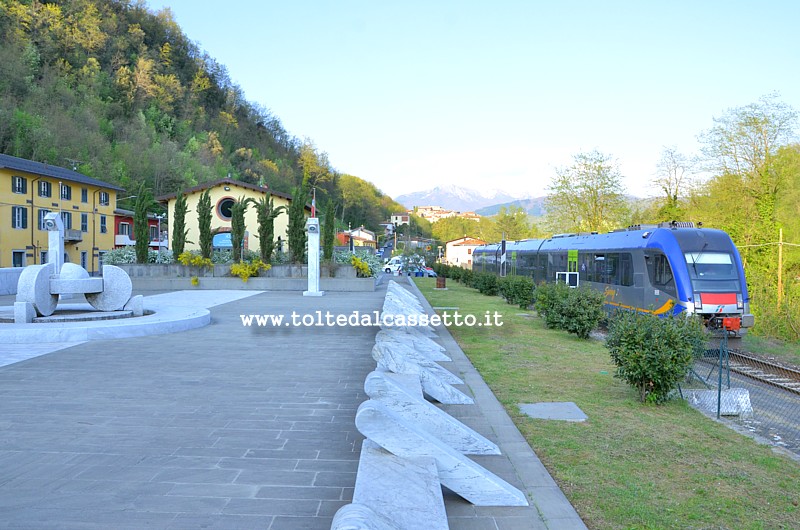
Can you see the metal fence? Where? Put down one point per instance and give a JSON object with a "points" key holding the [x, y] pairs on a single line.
{"points": [[755, 394]]}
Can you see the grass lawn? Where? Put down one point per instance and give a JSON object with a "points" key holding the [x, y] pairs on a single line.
{"points": [[630, 465]]}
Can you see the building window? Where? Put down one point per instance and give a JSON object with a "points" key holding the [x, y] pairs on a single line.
{"points": [[84, 222], [42, 214], [153, 233], [66, 192], [45, 189], [19, 217], [19, 184], [84, 195], [84, 259], [43, 256], [18, 258], [104, 198], [103, 226], [124, 229], [224, 208], [66, 218]]}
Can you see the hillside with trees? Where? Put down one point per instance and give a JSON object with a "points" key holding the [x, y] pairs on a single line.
{"points": [[121, 94]]}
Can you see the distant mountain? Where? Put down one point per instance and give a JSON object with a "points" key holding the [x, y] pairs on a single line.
{"points": [[455, 198], [533, 206]]}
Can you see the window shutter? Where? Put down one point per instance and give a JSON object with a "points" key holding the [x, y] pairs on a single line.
{"points": [[24, 188], [24, 217]]}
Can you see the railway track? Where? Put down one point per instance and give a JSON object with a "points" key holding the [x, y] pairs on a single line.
{"points": [[765, 371]]}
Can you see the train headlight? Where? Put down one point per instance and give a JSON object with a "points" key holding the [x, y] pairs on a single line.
{"points": [[698, 302], [739, 301]]}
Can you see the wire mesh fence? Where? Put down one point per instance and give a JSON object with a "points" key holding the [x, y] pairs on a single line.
{"points": [[755, 394]]}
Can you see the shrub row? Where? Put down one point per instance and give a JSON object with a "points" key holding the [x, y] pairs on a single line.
{"points": [[651, 354], [517, 290], [577, 311]]}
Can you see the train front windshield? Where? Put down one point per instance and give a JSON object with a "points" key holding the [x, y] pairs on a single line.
{"points": [[712, 272]]}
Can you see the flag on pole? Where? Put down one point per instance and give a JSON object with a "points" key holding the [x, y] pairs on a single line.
{"points": [[313, 202]]}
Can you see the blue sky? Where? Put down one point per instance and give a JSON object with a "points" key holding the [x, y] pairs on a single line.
{"points": [[497, 94]]}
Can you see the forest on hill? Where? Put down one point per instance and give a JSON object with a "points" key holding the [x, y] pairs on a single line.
{"points": [[121, 94]]}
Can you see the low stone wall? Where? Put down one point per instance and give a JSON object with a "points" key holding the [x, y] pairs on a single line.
{"points": [[155, 270], [9, 276], [154, 283]]}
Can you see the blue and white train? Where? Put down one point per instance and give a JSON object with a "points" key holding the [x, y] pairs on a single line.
{"points": [[663, 269]]}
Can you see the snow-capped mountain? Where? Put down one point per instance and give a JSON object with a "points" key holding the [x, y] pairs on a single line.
{"points": [[455, 198]]}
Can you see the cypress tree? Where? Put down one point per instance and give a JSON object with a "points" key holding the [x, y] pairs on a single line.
{"points": [[267, 213], [204, 223], [141, 229], [179, 230], [238, 227], [297, 225], [329, 231]]}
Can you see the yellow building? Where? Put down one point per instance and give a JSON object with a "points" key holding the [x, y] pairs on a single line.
{"points": [[223, 194], [30, 190]]}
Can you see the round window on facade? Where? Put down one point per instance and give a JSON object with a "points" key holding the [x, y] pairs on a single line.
{"points": [[224, 208]]}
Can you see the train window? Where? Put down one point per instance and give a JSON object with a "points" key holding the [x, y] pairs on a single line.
{"points": [[660, 274], [625, 269], [611, 269]]}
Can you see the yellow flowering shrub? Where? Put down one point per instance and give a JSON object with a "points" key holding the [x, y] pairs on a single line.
{"points": [[245, 270], [361, 267], [189, 259]]}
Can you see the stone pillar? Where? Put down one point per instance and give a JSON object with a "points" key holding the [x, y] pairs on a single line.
{"points": [[312, 228], [55, 240]]}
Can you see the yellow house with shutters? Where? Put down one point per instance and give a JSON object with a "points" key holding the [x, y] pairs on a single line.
{"points": [[223, 194], [30, 190]]}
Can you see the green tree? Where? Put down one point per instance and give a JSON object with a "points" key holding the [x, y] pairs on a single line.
{"points": [[297, 225], [204, 223], [266, 215], [451, 228], [141, 228], [586, 196], [329, 231], [513, 222], [179, 230], [238, 227], [672, 178]]}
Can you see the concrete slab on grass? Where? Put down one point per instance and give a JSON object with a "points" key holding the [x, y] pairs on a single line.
{"points": [[567, 411]]}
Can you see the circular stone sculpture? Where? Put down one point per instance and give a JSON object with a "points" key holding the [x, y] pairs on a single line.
{"points": [[117, 289], [34, 287]]}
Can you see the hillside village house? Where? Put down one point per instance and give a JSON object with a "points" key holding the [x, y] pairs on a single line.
{"points": [[124, 235], [459, 251], [224, 193], [361, 237], [30, 190]]}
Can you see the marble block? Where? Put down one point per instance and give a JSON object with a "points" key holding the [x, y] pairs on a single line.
{"points": [[70, 286], [34, 287], [24, 312], [411, 305], [356, 516], [425, 345], [432, 384], [404, 491], [71, 271], [135, 304], [117, 289], [406, 351], [397, 398], [463, 476], [395, 289]]}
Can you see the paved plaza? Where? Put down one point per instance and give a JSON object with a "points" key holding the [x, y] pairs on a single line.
{"points": [[225, 426]]}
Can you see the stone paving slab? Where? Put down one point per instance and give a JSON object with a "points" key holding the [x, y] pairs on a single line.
{"points": [[225, 426]]}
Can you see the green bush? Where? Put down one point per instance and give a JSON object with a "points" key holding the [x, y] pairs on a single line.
{"points": [[653, 354], [517, 290], [465, 277], [485, 283], [577, 311]]}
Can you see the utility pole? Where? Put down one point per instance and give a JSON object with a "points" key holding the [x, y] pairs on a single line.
{"points": [[780, 267]]}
